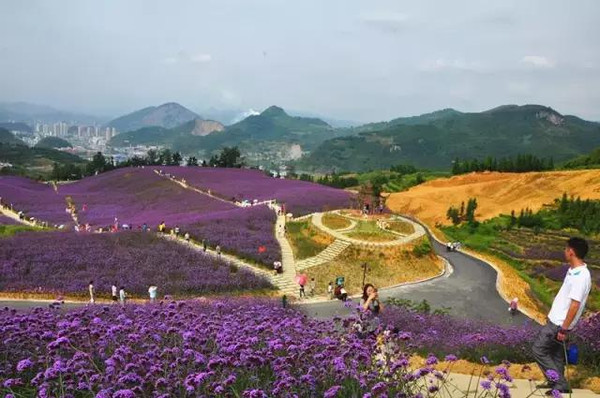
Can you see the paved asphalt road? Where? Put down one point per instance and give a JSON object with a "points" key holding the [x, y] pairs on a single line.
{"points": [[469, 291]]}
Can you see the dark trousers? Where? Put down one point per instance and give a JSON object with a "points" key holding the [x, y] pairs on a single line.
{"points": [[549, 353]]}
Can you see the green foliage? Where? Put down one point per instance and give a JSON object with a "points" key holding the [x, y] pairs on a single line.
{"points": [[192, 161], [422, 307], [403, 169], [8, 138], [423, 248], [519, 164], [53, 142], [9, 230], [468, 214], [229, 157], [454, 215], [589, 161], [333, 180], [434, 141]]}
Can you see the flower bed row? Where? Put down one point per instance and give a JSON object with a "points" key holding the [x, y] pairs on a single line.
{"points": [[299, 197], [223, 348], [137, 196], [34, 199], [64, 263]]}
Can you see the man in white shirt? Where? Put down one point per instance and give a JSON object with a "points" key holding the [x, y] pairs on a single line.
{"points": [[568, 305]]}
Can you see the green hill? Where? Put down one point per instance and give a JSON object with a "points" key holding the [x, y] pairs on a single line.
{"points": [[53, 142], [271, 130], [434, 140], [589, 161], [33, 162], [167, 115], [6, 137]]}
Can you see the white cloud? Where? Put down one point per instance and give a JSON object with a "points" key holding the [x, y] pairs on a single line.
{"points": [[201, 58], [170, 60], [538, 61], [442, 64], [391, 22], [184, 57], [245, 114]]}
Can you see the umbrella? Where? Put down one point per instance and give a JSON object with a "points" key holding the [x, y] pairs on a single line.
{"points": [[301, 279]]}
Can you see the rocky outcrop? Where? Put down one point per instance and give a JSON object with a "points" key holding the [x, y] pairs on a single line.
{"points": [[205, 127]]}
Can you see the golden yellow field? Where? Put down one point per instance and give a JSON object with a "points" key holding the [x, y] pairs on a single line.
{"points": [[496, 193]]}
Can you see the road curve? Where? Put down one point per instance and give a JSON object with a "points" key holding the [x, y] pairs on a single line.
{"points": [[469, 291]]}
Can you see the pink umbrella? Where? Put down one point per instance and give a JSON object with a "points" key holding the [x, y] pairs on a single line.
{"points": [[301, 279]]}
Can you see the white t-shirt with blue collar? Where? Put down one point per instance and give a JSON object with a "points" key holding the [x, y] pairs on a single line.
{"points": [[576, 286]]}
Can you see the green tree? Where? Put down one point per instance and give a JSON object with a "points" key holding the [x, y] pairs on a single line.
{"points": [[177, 158], [452, 214], [470, 211], [152, 157], [192, 161]]}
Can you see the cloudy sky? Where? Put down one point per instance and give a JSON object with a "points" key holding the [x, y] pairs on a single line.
{"points": [[346, 59]]}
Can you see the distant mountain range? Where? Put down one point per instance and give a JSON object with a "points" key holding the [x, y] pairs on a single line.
{"points": [[167, 115], [273, 130], [171, 137], [435, 139], [29, 113]]}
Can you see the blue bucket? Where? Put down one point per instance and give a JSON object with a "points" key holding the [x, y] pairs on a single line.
{"points": [[572, 354]]}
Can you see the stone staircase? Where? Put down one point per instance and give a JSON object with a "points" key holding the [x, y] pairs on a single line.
{"points": [[331, 252]]}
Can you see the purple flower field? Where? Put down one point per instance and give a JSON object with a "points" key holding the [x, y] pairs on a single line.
{"points": [[137, 196], [34, 199], [241, 232], [64, 263], [250, 348], [7, 220], [300, 197]]}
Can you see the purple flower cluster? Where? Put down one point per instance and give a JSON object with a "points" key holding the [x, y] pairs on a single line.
{"points": [[245, 348], [64, 262], [7, 220], [246, 232], [137, 196], [300, 197], [34, 199], [444, 334]]}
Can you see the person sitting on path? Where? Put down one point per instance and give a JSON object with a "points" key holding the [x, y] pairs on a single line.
{"points": [[92, 291], [343, 293], [278, 267], [152, 292], [122, 295], [549, 347]]}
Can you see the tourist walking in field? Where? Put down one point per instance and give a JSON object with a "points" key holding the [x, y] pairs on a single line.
{"points": [[152, 292], [186, 236], [162, 227], [92, 291], [204, 244], [122, 295], [549, 348], [218, 248], [114, 293]]}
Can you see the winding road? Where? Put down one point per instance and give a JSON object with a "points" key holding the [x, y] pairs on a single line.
{"points": [[469, 291]]}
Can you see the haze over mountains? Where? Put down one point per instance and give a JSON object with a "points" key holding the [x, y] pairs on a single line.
{"points": [[431, 140], [434, 140]]}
